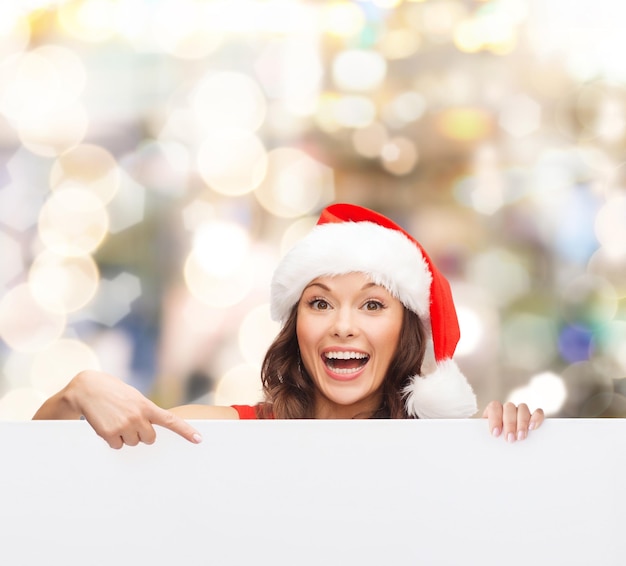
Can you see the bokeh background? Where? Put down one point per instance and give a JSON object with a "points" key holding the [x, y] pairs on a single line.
{"points": [[157, 157]]}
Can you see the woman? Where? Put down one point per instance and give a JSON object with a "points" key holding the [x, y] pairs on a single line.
{"points": [[368, 330]]}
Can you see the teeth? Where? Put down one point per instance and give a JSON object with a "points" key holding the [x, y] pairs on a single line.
{"points": [[346, 371], [345, 355]]}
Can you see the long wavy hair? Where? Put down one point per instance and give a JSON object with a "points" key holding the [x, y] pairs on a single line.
{"points": [[289, 390]]}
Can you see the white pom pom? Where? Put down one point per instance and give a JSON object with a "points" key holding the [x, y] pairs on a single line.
{"points": [[443, 394]]}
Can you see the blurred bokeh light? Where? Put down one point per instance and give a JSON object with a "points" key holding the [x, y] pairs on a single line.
{"points": [[157, 157]]}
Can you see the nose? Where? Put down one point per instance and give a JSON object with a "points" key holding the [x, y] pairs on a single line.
{"points": [[343, 325]]}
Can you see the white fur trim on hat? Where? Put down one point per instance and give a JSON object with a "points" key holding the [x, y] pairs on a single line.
{"points": [[388, 257], [442, 394]]}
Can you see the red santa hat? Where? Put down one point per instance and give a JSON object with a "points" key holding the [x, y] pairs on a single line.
{"points": [[351, 238]]}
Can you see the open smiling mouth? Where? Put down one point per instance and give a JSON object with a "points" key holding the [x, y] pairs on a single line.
{"points": [[345, 362]]}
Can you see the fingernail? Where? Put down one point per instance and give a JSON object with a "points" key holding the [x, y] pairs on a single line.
{"points": [[521, 435], [510, 437], [197, 438], [531, 426], [496, 431]]}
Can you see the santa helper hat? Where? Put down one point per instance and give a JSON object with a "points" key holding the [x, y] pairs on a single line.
{"points": [[351, 238]]}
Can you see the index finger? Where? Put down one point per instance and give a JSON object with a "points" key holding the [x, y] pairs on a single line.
{"points": [[169, 420], [494, 412]]}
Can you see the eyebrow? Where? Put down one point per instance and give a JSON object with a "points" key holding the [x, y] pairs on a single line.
{"points": [[326, 288]]}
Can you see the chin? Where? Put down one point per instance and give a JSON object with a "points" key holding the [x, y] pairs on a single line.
{"points": [[347, 398]]}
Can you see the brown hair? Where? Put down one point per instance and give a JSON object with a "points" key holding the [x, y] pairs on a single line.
{"points": [[289, 391]]}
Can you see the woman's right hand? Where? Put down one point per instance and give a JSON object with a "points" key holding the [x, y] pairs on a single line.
{"points": [[118, 413]]}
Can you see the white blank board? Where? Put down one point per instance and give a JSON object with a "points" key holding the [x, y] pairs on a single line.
{"points": [[320, 493]]}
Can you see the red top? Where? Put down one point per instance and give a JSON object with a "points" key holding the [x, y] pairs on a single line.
{"points": [[247, 412]]}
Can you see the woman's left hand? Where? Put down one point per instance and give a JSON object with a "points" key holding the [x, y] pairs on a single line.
{"points": [[512, 421]]}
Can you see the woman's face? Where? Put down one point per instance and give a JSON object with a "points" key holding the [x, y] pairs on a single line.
{"points": [[348, 329]]}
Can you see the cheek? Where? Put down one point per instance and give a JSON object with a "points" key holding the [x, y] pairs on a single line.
{"points": [[300, 335], [309, 333], [389, 342], [305, 345], [304, 333]]}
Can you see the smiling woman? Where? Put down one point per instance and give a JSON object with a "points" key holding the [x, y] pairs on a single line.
{"points": [[359, 283], [348, 331], [369, 329]]}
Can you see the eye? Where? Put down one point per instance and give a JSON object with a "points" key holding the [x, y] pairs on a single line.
{"points": [[319, 304], [373, 305]]}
